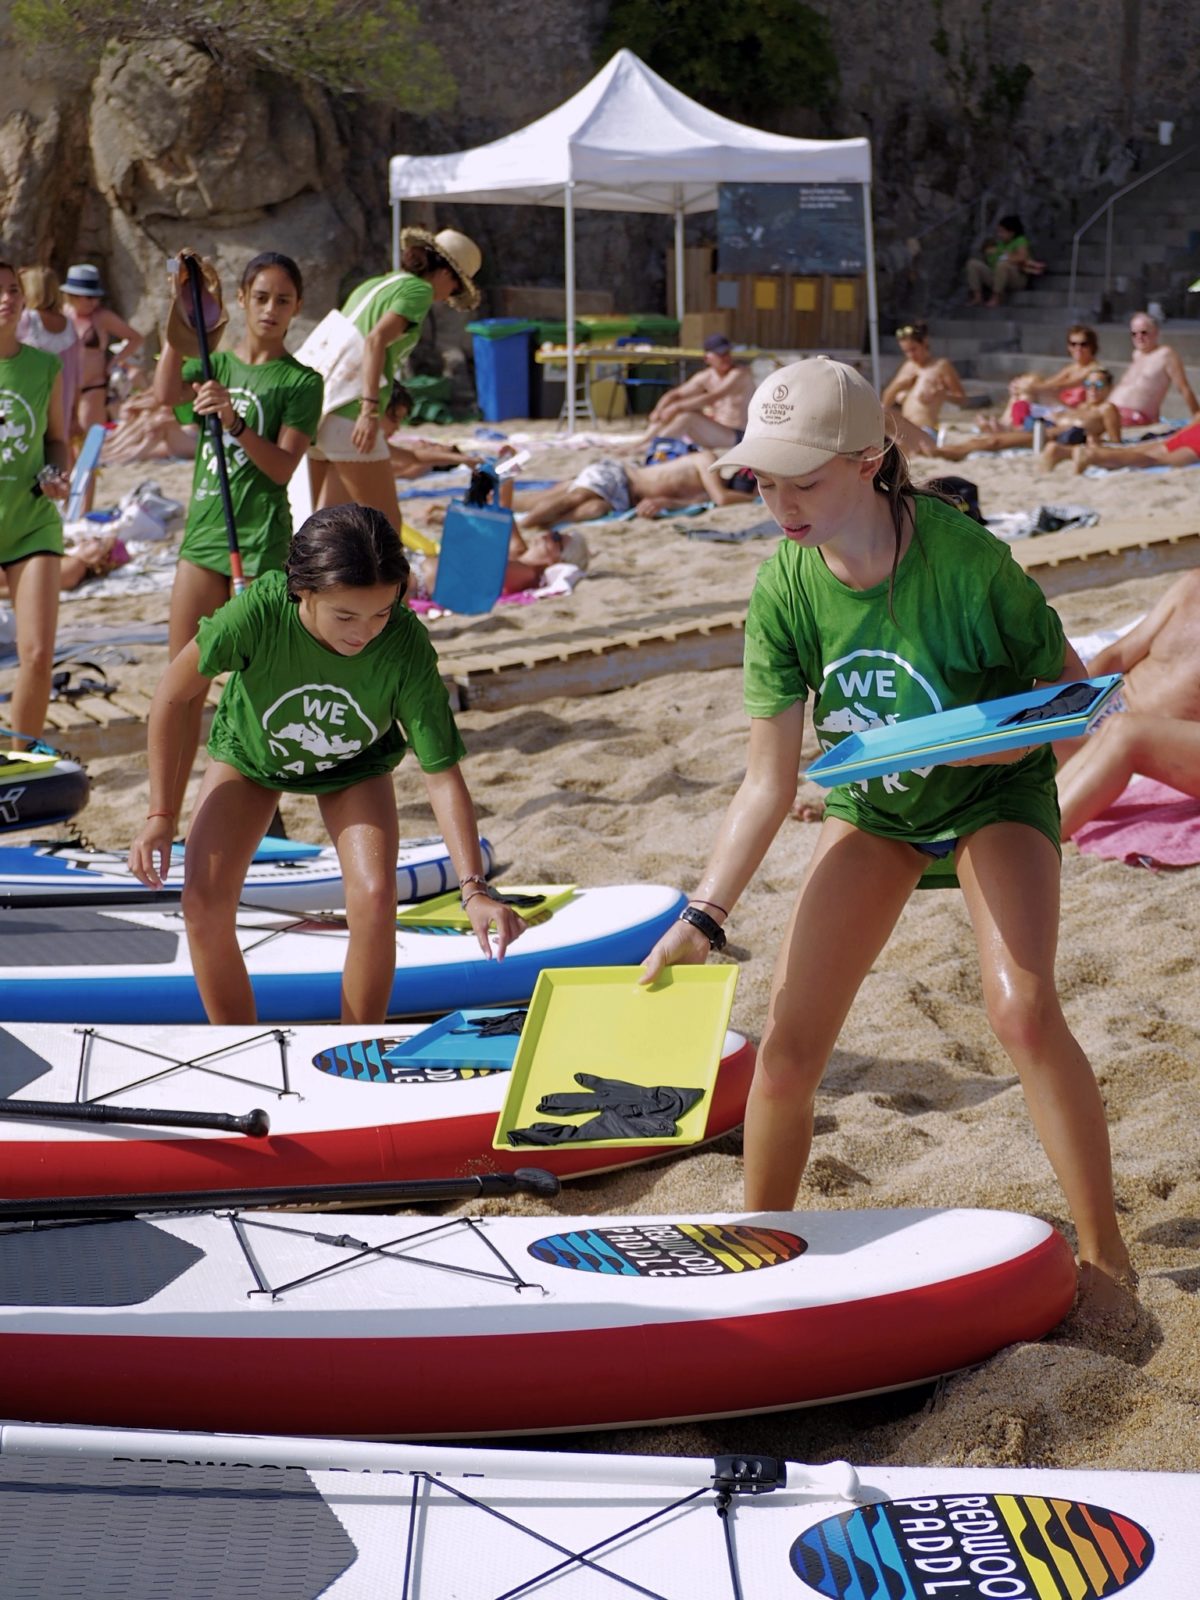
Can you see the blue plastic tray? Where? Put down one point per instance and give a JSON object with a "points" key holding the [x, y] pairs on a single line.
{"points": [[1064, 711], [452, 1042]]}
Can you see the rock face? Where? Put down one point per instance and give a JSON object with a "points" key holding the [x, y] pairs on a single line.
{"points": [[154, 146]]}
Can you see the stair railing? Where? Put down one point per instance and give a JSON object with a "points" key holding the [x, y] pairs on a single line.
{"points": [[1106, 210]]}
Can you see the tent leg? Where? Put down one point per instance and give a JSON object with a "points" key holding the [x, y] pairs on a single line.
{"points": [[679, 273], [569, 254], [872, 298], [395, 236]]}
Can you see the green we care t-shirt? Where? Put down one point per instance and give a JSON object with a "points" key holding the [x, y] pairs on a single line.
{"points": [[969, 626], [29, 523], [271, 395], [409, 297], [296, 715]]}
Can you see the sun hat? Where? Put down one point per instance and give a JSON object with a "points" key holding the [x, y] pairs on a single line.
{"points": [[83, 278], [804, 415], [463, 256]]}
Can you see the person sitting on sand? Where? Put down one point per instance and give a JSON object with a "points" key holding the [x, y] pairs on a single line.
{"points": [[530, 557], [414, 457], [924, 382], [1166, 749], [608, 485], [710, 407], [1005, 264], [1064, 387], [1179, 449], [1063, 428], [1153, 368]]}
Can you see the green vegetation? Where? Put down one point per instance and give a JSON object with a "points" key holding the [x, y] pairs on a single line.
{"points": [[989, 93], [373, 48], [746, 59]]}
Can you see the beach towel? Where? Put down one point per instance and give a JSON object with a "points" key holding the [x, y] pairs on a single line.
{"points": [[561, 579], [1112, 472], [757, 530], [1151, 825]]}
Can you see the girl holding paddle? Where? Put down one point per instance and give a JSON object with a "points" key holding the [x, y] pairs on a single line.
{"points": [[268, 405], [333, 679], [33, 472], [881, 604]]}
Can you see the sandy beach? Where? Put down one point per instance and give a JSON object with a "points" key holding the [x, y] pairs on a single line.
{"points": [[920, 1105]]}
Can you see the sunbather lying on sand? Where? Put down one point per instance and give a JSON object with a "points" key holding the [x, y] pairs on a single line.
{"points": [[1166, 749], [148, 431], [529, 558], [608, 485], [1180, 449], [412, 456]]}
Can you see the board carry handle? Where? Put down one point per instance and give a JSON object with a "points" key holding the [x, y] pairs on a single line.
{"points": [[254, 1124], [833, 1480], [414, 1191]]}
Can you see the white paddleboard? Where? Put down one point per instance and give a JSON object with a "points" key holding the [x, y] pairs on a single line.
{"points": [[192, 1516], [409, 1326]]}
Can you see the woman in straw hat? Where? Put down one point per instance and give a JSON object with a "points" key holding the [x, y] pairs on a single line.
{"points": [[350, 457], [884, 603]]}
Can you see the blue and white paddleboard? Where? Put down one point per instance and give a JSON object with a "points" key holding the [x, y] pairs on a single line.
{"points": [[285, 875], [93, 964]]}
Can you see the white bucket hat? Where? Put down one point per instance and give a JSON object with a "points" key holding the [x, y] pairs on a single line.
{"points": [[804, 415], [461, 254], [84, 278]]}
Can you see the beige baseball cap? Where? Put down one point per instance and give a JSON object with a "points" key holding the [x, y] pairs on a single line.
{"points": [[804, 415]]}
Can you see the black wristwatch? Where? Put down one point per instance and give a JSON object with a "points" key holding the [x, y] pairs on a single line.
{"points": [[709, 927]]}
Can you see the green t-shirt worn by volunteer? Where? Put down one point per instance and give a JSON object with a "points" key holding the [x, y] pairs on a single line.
{"points": [[298, 716], [30, 524], [969, 626], [409, 297], [271, 395]]}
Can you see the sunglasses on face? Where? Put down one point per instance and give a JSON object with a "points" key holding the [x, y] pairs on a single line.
{"points": [[1141, 333], [1094, 383], [1081, 344]]}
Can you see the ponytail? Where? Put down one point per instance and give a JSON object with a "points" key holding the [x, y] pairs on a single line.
{"points": [[892, 479]]}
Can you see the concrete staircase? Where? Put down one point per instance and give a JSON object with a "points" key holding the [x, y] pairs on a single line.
{"points": [[1156, 253]]}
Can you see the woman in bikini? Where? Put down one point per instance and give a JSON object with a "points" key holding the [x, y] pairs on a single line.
{"points": [[96, 327], [45, 326], [922, 385]]}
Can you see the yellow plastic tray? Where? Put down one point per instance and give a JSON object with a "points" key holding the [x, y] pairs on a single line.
{"points": [[601, 1020], [446, 910]]}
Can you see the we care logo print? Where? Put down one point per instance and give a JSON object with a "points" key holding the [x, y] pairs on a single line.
{"points": [[869, 689], [669, 1249], [18, 429], [312, 728], [246, 404], [973, 1547]]}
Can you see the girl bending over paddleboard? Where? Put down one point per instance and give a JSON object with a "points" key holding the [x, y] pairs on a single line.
{"points": [[333, 678], [33, 472], [883, 603], [269, 405]]}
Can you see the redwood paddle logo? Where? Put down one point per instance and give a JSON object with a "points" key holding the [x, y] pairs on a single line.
{"points": [[973, 1547], [669, 1249]]}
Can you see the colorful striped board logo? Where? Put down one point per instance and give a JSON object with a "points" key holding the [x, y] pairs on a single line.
{"points": [[364, 1062], [669, 1249], [973, 1547]]}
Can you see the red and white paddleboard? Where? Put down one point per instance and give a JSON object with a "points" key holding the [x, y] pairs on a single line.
{"points": [[339, 1111], [409, 1326], [197, 1515]]}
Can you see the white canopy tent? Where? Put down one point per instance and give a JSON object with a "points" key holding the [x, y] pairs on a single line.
{"points": [[628, 141]]}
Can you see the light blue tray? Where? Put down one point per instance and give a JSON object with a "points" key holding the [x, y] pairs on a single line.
{"points": [[1064, 711], [452, 1042]]}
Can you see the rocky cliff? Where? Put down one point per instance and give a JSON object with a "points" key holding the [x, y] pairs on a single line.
{"points": [[154, 146]]}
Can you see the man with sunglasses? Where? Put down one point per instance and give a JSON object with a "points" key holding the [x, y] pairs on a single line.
{"points": [[1152, 370]]}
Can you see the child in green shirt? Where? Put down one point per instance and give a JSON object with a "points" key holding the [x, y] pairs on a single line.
{"points": [[269, 406], [882, 604], [332, 679], [33, 462]]}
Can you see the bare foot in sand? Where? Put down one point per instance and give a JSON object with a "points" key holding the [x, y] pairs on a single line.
{"points": [[1080, 458], [1107, 1297], [1053, 454]]}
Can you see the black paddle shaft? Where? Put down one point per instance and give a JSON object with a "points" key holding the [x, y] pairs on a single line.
{"points": [[526, 1180], [256, 1124], [213, 422]]}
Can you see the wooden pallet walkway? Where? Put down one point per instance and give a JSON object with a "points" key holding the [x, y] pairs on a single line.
{"points": [[1091, 558], [107, 725]]}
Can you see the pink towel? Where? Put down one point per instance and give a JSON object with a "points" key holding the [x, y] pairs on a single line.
{"points": [[1151, 825]]}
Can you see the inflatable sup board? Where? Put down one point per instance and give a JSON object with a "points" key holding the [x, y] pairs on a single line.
{"points": [[37, 789], [407, 1326], [285, 875], [340, 1106], [196, 1515], [95, 965]]}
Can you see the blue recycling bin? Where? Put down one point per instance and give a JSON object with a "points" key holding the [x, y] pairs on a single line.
{"points": [[503, 357]]}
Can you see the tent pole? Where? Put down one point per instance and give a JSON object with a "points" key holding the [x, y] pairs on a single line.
{"points": [[569, 254], [679, 274], [395, 236], [872, 301]]}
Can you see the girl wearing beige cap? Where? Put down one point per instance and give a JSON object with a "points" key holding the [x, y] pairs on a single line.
{"points": [[884, 603], [349, 460]]}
